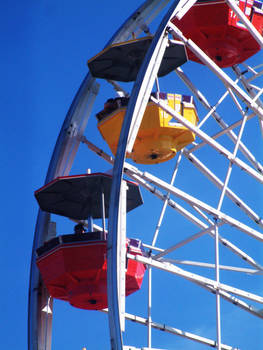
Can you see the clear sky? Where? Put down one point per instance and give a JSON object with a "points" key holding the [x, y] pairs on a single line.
{"points": [[45, 47]]}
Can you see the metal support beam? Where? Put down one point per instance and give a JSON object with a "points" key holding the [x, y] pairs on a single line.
{"points": [[121, 254], [256, 35], [209, 140], [141, 178], [195, 278], [218, 119], [209, 209], [226, 80], [186, 241], [217, 182], [179, 332]]}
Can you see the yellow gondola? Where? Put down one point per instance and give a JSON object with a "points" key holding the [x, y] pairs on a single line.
{"points": [[159, 137]]}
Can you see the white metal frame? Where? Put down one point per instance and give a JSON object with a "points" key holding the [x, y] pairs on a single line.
{"points": [[207, 218]]}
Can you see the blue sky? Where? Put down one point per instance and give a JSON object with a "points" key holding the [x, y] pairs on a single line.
{"points": [[45, 47]]}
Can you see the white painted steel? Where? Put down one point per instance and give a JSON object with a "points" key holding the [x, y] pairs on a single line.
{"points": [[219, 120], [211, 176], [191, 200], [149, 320], [256, 35], [209, 218], [121, 262], [217, 268], [134, 113], [60, 164], [179, 332], [229, 83], [166, 201], [207, 265], [251, 90], [144, 89], [135, 174], [187, 240], [183, 7], [226, 131], [203, 281], [222, 150], [218, 300], [173, 330]]}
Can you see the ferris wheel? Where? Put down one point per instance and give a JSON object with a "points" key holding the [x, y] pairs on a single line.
{"points": [[171, 237]]}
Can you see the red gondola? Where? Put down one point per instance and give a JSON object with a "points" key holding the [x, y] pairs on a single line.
{"points": [[74, 266], [216, 29], [74, 269]]}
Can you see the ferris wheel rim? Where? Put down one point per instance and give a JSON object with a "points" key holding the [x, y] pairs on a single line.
{"points": [[44, 217], [58, 166], [122, 149]]}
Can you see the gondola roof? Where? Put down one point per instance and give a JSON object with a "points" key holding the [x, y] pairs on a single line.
{"points": [[79, 196], [122, 61]]}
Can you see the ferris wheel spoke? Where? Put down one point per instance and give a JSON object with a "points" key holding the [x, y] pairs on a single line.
{"points": [[193, 201], [210, 265], [230, 166], [230, 245], [213, 109], [186, 241], [176, 331], [258, 268], [138, 176], [246, 81], [250, 69], [221, 146], [227, 81], [226, 243], [246, 22], [215, 180], [255, 76], [226, 128], [195, 278], [251, 91], [166, 201], [210, 141], [236, 301], [196, 221], [135, 110]]}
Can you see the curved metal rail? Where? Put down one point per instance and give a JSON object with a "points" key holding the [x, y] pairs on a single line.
{"points": [[67, 145], [40, 323], [136, 107], [137, 104]]}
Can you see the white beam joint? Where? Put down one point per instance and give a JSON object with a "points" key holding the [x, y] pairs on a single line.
{"points": [[233, 5], [195, 278], [226, 80]]}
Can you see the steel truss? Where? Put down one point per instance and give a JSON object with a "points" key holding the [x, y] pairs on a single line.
{"points": [[206, 218]]}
